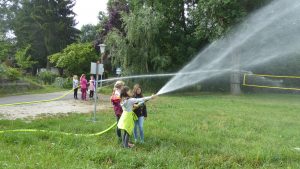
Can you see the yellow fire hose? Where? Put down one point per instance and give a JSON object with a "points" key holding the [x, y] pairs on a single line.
{"points": [[39, 101], [46, 131], [58, 132]]}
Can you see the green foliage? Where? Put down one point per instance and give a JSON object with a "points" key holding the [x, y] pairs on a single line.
{"points": [[250, 131], [13, 73], [214, 18], [9, 73], [24, 59], [66, 83], [5, 48], [139, 51], [117, 45], [88, 33], [2, 70], [75, 59], [48, 26], [47, 77], [164, 35]]}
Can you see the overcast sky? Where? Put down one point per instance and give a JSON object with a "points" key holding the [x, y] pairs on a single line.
{"points": [[87, 11]]}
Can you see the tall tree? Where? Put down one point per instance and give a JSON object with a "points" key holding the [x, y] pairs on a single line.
{"points": [[115, 9], [113, 21], [48, 26], [138, 50], [7, 11], [88, 33]]}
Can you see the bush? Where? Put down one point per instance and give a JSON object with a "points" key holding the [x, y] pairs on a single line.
{"points": [[65, 83], [12, 73], [1, 71], [47, 77], [9, 73]]}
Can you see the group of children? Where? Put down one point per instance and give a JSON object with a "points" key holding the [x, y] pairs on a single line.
{"points": [[130, 110], [84, 86], [129, 107]]}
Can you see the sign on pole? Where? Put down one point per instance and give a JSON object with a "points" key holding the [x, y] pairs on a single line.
{"points": [[94, 67], [100, 69]]}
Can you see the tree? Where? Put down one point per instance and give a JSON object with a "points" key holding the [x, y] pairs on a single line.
{"points": [[88, 33], [75, 58], [214, 18], [111, 22], [48, 26], [139, 50], [7, 44], [5, 48], [23, 58], [176, 42], [115, 10], [7, 13]]}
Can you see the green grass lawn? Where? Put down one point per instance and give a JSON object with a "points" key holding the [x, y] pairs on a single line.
{"points": [[182, 131]]}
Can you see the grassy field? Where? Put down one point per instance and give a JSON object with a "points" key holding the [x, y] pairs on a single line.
{"points": [[182, 131]]}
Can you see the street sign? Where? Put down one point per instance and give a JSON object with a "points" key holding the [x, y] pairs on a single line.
{"points": [[100, 69], [118, 71], [94, 67]]}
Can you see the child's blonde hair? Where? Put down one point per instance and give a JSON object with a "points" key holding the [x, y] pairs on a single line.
{"points": [[119, 84], [75, 77]]}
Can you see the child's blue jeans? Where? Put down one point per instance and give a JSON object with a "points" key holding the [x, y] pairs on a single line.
{"points": [[139, 124]]}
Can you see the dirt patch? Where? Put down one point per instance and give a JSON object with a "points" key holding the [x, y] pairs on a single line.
{"points": [[52, 108]]}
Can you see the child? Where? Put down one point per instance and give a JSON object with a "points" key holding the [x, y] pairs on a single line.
{"points": [[140, 112], [92, 86], [127, 119], [75, 86], [83, 85], [116, 102]]}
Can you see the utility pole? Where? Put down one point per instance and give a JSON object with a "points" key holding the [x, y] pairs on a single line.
{"points": [[97, 68]]}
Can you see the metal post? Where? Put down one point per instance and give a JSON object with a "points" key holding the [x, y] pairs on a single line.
{"points": [[102, 73], [95, 93]]}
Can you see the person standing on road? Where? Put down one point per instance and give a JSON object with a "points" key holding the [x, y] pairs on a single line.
{"points": [[83, 85], [75, 86], [92, 86]]}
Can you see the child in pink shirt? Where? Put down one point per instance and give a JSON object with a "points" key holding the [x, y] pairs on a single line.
{"points": [[92, 86], [83, 85]]}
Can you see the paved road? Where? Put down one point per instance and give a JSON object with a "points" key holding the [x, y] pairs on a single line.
{"points": [[37, 97]]}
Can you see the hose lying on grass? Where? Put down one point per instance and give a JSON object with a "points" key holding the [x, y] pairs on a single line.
{"points": [[58, 132]]}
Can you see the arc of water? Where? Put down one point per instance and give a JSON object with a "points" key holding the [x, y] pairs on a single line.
{"points": [[239, 38]]}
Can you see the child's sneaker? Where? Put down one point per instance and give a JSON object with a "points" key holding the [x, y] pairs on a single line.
{"points": [[130, 145]]}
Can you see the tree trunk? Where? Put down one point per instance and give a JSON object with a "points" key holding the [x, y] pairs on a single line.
{"points": [[48, 66]]}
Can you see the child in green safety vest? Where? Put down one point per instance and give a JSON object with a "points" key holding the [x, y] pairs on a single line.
{"points": [[126, 122]]}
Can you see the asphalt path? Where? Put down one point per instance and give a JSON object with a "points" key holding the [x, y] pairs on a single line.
{"points": [[39, 97]]}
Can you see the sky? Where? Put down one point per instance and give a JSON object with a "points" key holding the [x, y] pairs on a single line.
{"points": [[87, 11]]}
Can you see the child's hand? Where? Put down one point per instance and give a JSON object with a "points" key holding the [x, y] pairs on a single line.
{"points": [[135, 106]]}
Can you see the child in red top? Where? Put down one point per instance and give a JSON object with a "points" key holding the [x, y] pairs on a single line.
{"points": [[116, 102], [83, 85]]}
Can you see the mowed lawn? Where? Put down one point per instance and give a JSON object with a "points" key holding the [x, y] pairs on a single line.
{"points": [[182, 131]]}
